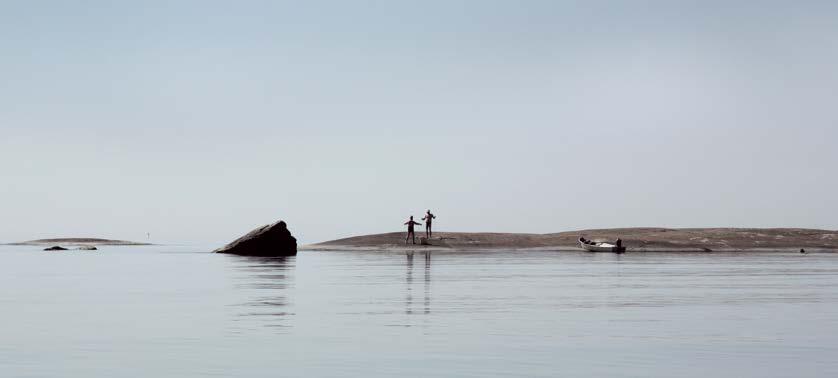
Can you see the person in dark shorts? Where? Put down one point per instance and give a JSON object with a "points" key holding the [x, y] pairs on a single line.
{"points": [[410, 232], [428, 218]]}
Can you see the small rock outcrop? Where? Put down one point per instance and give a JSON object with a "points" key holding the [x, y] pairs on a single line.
{"points": [[270, 240], [55, 248], [87, 248]]}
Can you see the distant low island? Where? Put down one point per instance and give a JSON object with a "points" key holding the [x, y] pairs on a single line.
{"points": [[646, 239], [78, 241]]}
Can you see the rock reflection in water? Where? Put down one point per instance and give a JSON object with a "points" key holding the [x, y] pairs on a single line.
{"points": [[266, 280]]}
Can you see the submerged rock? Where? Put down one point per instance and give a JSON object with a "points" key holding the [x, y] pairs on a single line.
{"points": [[55, 248], [87, 248], [270, 240]]}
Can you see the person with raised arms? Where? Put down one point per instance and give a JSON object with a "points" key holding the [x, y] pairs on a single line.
{"points": [[410, 223], [428, 218]]}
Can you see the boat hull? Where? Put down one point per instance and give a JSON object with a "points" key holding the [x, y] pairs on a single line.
{"points": [[598, 248]]}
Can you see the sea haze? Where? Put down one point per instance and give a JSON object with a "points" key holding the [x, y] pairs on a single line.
{"points": [[181, 312]]}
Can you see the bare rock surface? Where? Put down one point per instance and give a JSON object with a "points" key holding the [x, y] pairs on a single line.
{"points": [[269, 240], [78, 241], [635, 239]]}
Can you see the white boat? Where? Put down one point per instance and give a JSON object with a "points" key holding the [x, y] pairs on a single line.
{"points": [[592, 246]]}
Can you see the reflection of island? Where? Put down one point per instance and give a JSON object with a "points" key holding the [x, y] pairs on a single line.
{"points": [[409, 284], [268, 278]]}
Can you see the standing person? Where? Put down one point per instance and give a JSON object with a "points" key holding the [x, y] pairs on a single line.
{"points": [[428, 218], [410, 232]]}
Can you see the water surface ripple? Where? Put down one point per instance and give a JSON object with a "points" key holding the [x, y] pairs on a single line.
{"points": [[180, 312]]}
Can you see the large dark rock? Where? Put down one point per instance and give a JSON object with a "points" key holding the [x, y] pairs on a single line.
{"points": [[55, 248], [270, 240]]}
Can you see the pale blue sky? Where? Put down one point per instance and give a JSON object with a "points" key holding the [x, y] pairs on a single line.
{"points": [[199, 120]]}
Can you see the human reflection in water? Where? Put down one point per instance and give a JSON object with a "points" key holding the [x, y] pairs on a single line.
{"points": [[408, 280], [409, 284], [427, 282], [265, 282]]}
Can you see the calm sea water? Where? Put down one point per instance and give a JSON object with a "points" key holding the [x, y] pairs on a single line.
{"points": [[179, 312]]}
